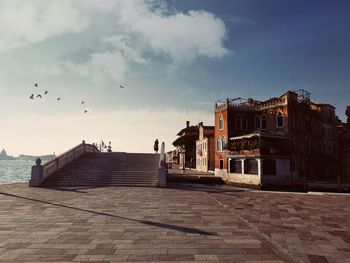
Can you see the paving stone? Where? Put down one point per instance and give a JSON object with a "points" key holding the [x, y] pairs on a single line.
{"points": [[177, 224]]}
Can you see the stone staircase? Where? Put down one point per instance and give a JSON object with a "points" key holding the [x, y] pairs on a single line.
{"points": [[107, 169]]}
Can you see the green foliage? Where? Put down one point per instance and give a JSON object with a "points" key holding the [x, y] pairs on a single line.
{"points": [[243, 144]]}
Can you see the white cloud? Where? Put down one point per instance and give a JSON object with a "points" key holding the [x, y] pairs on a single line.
{"points": [[101, 67], [127, 47], [143, 30], [27, 22], [128, 130], [182, 37], [150, 27]]}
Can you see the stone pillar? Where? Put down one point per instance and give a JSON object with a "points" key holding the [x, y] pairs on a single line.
{"points": [[162, 177], [162, 169], [259, 169], [229, 165], [37, 174], [242, 172]]}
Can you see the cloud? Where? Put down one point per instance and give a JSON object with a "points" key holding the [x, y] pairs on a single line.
{"points": [[149, 28], [126, 46], [176, 35], [128, 130], [111, 65], [141, 32], [27, 22]]}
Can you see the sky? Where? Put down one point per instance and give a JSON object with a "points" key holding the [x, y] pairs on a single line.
{"points": [[175, 59]]}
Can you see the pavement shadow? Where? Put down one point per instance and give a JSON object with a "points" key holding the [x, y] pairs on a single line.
{"points": [[207, 189], [188, 230]]}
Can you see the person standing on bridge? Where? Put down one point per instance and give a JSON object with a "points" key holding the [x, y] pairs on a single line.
{"points": [[155, 147]]}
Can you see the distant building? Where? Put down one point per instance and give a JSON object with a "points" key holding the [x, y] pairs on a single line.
{"points": [[283, 140], [4, 156], [172, 156], [205, 148], [186, 145]]}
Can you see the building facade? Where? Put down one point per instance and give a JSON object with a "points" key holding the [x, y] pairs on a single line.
{"points": [[283, 140], [186, 146], [205, 148], [172, 157], [345, 148]]}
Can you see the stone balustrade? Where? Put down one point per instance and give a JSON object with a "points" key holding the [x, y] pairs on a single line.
{"points": [[41, 172]]}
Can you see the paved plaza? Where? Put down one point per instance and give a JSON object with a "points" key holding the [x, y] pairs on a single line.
{"points": [[182, 223]]}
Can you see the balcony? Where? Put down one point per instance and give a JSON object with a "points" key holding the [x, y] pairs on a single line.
{"points": [[259, 144]]}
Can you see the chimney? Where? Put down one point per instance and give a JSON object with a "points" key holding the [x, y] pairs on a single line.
{"points": [[187, 124], [200, 124]]}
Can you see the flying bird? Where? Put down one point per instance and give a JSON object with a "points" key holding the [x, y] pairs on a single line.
{"points": [[46, 92], [38, 96], [121, 86], [58, 98], [36, 85], [82, 102], [85, 111], [31, 97]]}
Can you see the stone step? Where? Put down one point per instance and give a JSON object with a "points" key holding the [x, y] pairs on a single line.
{"points": [[104, 169]]}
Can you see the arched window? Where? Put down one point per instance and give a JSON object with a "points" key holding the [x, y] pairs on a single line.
{"points": [[241, 123], [279, 120], [244, 124], [220, 144], [238, 122], [257, 123], [223, 143], [263, 122], [221, 122]]}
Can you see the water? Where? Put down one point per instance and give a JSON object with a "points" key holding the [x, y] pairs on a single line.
{"points": [[15, 171]]}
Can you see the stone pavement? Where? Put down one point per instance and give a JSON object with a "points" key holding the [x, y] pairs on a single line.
{"points": [[182, 223]]}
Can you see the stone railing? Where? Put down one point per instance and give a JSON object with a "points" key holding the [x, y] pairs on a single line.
{"points": [[41, 172]]}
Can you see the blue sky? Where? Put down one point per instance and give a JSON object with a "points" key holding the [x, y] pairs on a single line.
{"points": [[175, 59]]}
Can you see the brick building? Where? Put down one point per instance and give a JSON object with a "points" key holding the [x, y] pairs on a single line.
{"points": [[205, 148], [286, 139]]}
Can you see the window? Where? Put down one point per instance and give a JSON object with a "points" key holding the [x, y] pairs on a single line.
{"points": [[257, 123], [263, 122], [292, 165], [235, 166], [241, 123], [222, 164], [221, 122], [244, 124], [220, 144], [279, 120], [250, 166]]}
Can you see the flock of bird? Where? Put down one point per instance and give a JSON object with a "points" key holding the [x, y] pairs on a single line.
{"points": [[58, 99]]}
